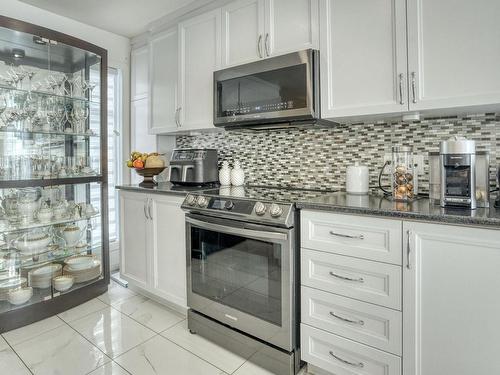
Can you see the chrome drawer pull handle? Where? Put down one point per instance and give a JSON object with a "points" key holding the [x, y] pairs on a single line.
{"points": [[360, 280], [358, 322], [359, 364], [360, 237]]}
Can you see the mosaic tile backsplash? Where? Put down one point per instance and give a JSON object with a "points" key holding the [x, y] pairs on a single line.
{"points": [[317, 158]]}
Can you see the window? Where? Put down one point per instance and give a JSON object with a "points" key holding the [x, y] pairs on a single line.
{"points": [[114, 151]]}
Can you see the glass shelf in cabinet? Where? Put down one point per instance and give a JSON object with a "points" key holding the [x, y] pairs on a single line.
{"points": [[35, 132], [44, 94], [37, 224], [13, 184], [50, 256]]}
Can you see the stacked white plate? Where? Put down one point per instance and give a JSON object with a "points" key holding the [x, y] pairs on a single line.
{"points": [[42, 277], [82, 270], [11, 284]]}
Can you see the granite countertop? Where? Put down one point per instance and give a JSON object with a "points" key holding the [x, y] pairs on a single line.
{"points": [[374, 205], [421, 209], [162, 188]]}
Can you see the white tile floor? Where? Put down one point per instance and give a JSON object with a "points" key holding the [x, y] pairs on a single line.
{"points": [[118, 333]]}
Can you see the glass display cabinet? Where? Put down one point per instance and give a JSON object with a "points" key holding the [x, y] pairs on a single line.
{"points": [[53, 172]]}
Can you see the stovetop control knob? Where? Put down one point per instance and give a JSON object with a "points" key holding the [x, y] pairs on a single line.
{"points": [[229, 205], [191, 200], [202, 201], [260, 208], [275, 210]]}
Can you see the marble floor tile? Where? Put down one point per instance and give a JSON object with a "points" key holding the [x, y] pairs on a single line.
{"points": [[159, 356], [19, 335], [110, 368], [82, 310], [204, 348], [10, 364], [250, 368], [111, 331], [60, 351], [116, 293], [3, 343], [150, 313]]}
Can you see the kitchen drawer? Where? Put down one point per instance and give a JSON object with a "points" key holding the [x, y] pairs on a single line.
{"points": [[360, 321], [362, 237], [345, 357], [368, 281]]}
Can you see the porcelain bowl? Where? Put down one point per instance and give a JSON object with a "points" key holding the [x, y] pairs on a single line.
{"points": [[80, 262], [47, 270], [20, 296], [63, 283], [32, 241]]}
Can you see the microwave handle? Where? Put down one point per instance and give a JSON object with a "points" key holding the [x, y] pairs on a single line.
{"points": [[256, 234]]}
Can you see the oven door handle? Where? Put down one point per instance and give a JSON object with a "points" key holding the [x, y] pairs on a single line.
{"points": [[256, 234]]}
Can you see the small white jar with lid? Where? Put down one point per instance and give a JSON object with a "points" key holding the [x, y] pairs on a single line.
{"points": [[357, 179]]}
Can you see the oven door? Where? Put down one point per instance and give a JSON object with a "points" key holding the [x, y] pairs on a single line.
{"points": [[243, 276]]}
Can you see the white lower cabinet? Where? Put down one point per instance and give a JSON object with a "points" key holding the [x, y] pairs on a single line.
{"points": [[351, 320], [447, 287], [373, 282], [341, 356], [169, 249], [134, 235], [364, 322], [153, 251], [451, 300]]}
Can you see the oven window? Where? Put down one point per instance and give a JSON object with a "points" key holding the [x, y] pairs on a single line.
{"points": [[271, 91], [242, 273]]}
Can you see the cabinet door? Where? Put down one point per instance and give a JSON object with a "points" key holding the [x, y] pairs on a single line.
{"points": [[363, 57], [242, 32], [291, 25], [200, 56], [134, 261], [163, 82], [451, 285], [139, 66], [140, 138], [453, 53], [169, 249]]}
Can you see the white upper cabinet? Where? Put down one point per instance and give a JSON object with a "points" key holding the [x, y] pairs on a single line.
{"points": [[139, 62], [363, 57], [453, 50], [163, 82], [242, 31], [200, 56], [291, 25], [255, 29], [451, 303]]}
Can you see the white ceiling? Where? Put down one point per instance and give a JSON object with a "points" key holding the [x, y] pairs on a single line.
{"points": [[124, 17]]}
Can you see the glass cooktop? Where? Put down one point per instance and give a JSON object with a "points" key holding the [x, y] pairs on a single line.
{"points": [[266, 193]]}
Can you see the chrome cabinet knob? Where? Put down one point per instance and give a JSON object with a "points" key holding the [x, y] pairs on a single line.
{"points": [[260, 208], [191, 200], [202, 201], [275, 210]]}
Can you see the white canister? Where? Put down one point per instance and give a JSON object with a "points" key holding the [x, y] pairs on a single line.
{"points": [[357, 178]]}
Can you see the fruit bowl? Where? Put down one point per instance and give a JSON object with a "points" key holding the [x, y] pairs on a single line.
{"points": [[148, 174]]}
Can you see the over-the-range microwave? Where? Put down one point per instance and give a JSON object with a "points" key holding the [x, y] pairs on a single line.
{"points": [[274, 92]]}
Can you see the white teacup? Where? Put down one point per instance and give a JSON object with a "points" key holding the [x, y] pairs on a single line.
{"points": [[71, 235], [44, 215]]}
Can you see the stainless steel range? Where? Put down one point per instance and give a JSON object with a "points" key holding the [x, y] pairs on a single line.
{"points": [[242, 260]]}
